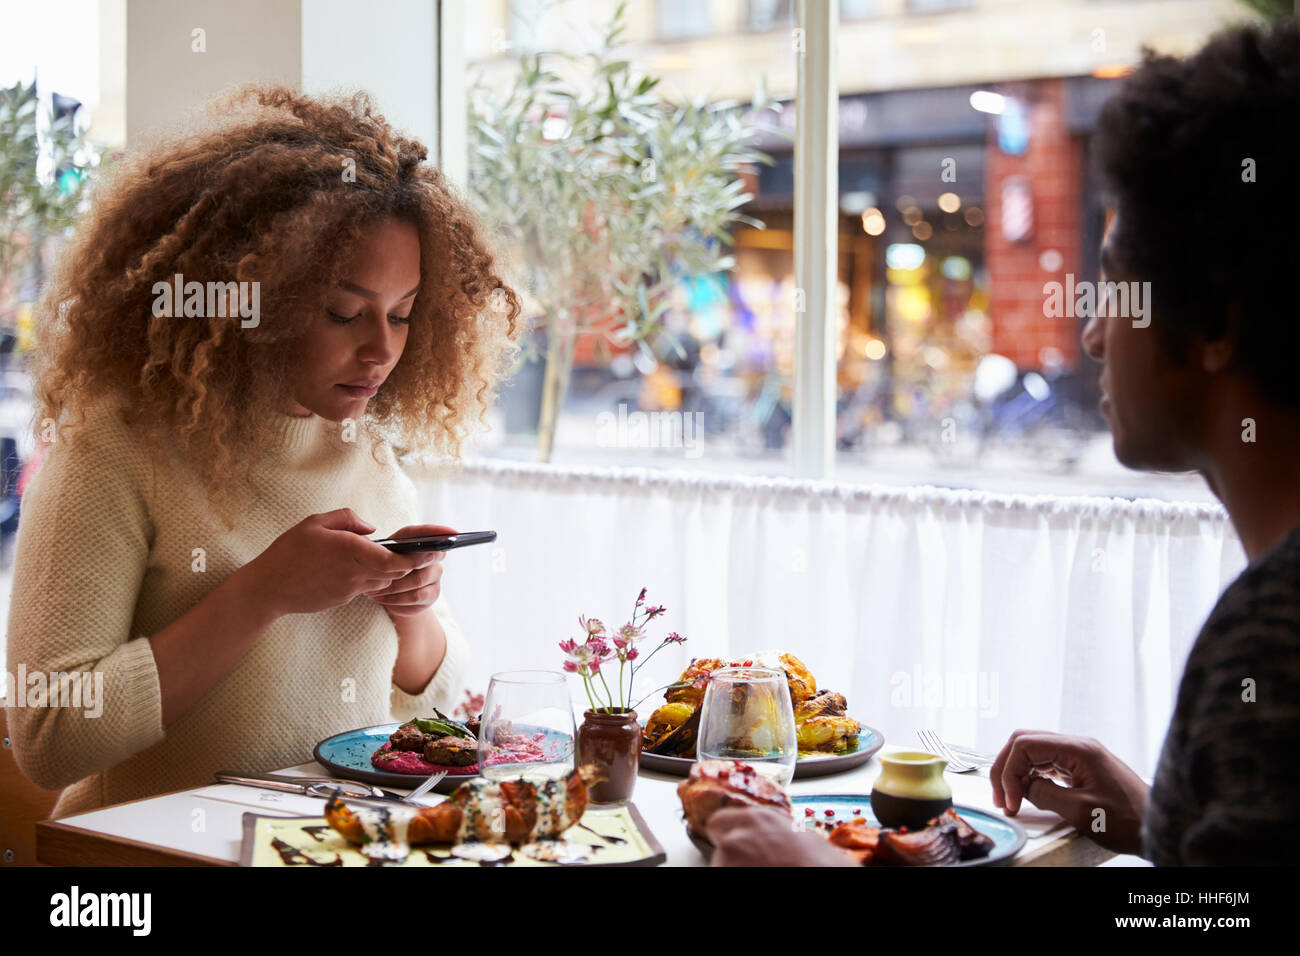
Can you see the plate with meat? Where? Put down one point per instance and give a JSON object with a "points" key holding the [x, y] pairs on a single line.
{"points": [[960, 836], [830, 741], [402, 755]]}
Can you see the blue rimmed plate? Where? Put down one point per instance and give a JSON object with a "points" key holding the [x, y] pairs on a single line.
{"points": [[1008, 836], [869, 742], [348, 755]]}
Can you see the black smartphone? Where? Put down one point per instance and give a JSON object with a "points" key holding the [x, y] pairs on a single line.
{"points": [[437, 542]]}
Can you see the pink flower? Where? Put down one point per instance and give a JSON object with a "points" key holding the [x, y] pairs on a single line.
{"points": [[584, 658], [632, 653], [640, 598], [629, 633], [675, 638], [593, 627]]}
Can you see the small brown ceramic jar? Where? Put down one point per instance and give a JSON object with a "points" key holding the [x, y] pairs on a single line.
{"points": [[612, 742]]}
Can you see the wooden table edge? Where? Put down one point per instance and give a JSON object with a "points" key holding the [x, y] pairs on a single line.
{"points": [[54, 840], [58, 844]]}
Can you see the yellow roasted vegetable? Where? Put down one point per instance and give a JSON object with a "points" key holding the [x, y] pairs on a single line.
{"points": [[819, 715], [827, 733], [668, 718], [825, 703], [802, 684], [685, 691]]}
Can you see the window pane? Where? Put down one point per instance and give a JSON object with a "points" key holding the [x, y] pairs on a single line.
{"points": [[626, 223], [856, 9], [766, 14], [683, 18], [934, 6], [952, 220]]}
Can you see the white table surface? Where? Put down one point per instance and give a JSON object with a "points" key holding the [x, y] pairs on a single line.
{"points": [[208, 820]]}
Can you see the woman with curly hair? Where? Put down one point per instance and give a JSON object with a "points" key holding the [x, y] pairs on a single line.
{"points": [[245, 326]]}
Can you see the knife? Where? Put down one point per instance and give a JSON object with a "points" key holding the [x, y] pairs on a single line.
{"points": [[323, 787], [378, 803]]}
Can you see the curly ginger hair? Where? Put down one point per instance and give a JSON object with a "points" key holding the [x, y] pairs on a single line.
{"points": [[277, 190]]}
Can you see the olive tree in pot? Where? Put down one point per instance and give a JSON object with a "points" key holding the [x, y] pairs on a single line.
{"points": [[608, 197]]}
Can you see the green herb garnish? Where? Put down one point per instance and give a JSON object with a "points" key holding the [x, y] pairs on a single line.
{"points": [[443, 727]]}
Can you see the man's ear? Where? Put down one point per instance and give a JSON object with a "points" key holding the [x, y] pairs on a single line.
{"points": [[1217, 353]]}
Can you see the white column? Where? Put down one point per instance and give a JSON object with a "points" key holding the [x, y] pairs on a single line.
{"points": [[453, 139], [180, 54], [816, 238], [388, 49]]}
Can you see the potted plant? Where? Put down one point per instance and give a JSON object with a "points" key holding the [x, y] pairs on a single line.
{"points": [[609, 197], [610, 736]]}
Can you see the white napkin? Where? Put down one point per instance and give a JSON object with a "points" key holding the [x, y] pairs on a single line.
{"points": [[974, 790]]}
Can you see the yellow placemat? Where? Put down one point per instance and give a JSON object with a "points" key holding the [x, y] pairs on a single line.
{"points": [[618, 836]]}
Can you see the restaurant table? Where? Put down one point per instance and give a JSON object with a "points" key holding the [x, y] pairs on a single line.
{"points": [[204, 825]]}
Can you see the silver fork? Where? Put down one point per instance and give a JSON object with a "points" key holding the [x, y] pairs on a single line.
{"points": [[930, 740], [975, 755], [425, 787]]}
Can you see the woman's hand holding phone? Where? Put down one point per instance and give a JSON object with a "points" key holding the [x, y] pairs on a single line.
{"points": [[418, 589], [325, 561]]}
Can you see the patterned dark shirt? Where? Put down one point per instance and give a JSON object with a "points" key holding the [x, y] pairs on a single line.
{"points": [[1227, 788]]}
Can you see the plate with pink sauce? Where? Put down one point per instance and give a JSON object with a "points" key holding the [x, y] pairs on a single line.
{"points": [[380, 755]]}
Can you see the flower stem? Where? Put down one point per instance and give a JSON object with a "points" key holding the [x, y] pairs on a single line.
{"points": [[674, 685], [608, 693], [586, 685], [645, 659]]}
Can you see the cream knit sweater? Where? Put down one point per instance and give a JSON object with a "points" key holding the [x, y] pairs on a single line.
{"points": [[107, 554]]}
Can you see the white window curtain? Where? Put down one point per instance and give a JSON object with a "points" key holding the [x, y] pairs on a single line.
{"points": [[968, 613]]}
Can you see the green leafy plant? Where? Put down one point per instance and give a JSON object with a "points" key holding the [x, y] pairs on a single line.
{"points": [[1273, 9], [608, 195], [40, 195]]}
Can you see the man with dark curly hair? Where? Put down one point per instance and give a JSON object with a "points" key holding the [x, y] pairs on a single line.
{"points": [[1200, 158]]}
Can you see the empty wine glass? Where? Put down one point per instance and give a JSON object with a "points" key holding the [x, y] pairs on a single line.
{"points": [[527, 728], [747, 715]]}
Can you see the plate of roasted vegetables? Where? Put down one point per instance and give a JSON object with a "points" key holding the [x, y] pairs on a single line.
{"points": [[830, 741], [960, 836], [402, 755]]}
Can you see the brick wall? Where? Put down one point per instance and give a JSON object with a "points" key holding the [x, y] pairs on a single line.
{"points": [[1053, 166]]}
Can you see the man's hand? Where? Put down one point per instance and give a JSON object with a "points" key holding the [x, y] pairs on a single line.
{"points": [[752, 836], [1097, 792]]}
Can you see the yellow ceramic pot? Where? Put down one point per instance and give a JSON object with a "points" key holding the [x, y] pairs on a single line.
{"points": [[910, 790]]}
